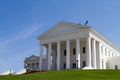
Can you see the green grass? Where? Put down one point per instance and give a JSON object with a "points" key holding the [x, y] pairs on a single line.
{"points": [[68, 75]]}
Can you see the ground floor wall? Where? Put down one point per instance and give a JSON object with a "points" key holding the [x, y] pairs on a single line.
{"points": [[113, 63], [72, 56], [103, 54]]}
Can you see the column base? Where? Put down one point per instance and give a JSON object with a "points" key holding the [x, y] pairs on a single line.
{"points": [[87, 67]]}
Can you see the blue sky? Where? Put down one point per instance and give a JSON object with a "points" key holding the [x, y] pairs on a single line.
{"points": [[22, 21]]}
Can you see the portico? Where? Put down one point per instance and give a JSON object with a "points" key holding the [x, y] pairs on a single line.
{"points": [[68, 53], [72, 46]]}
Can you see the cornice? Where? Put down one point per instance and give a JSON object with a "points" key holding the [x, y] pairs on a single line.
{"points": [[105, 39], [64, 34]]}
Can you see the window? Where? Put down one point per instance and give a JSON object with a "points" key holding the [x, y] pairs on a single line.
{"points": [[64, 65], [64, 52], [37, 65], [56, 54], [84, 50], [74, 65], [84, 63], [74, 51], [116, 67]]}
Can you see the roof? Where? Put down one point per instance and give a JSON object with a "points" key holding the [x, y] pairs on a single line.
{"points": [[31, 58], [59, 25], [79, 27]]}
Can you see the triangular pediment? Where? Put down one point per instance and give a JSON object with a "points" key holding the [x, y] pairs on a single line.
{"points": [[31, 58], [61, 28]]}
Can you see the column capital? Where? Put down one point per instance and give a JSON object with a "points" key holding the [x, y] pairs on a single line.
{"points": [[67, 40], [94, 39], [88, 36], [40, 44], [77, 37], [57, 41], [49, 43], [100, 44]]}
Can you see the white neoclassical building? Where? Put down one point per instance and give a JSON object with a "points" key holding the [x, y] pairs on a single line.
{"points": [[32, 62], [70, 46]]}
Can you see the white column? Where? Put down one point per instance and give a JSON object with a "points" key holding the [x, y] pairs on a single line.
{"points": [[106, 52], [110, 53], [29, 65], [36, 66], [49, 56], [68, 55], [100, 61], [78, 52], [94, 53], [41, 56], [88, 52], [103, 51], [104, 64], [58, 55]]}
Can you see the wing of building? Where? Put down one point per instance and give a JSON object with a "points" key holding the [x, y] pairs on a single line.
{"points": [[71, 46], [32, 62]]}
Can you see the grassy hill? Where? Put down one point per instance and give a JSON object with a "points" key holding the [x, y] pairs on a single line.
{"points": [[68, 75]]}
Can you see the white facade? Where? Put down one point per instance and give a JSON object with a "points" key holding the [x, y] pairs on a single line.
{"points": [[72, 46], [32, 63], [114, 63]]}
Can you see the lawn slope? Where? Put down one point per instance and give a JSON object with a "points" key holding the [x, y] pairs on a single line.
{"points": [[68, 75]]}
